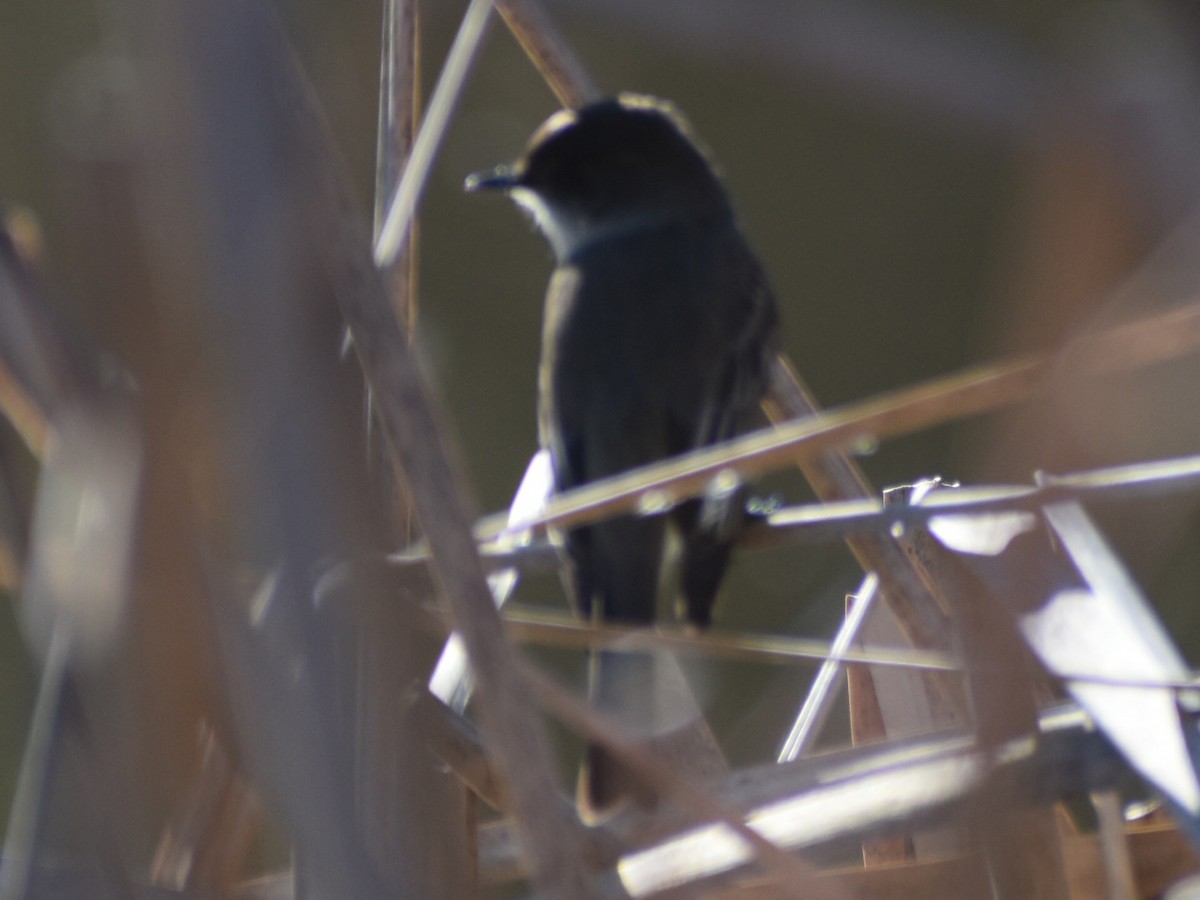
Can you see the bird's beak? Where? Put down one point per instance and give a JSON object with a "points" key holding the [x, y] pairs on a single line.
{"points": [[501, 178]]}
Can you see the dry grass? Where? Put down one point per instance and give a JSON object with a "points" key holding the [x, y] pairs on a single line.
{"points": [[202, 577]]}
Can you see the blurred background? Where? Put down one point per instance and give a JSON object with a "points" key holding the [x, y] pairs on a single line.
{"points": [[929, 183]]}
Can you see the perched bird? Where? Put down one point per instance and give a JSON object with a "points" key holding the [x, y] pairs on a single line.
{"points": [[658, 333]]}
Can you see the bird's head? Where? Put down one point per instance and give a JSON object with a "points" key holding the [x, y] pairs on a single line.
{"points": [[610, 166]]}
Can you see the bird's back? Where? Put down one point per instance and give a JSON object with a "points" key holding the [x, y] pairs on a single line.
{"points": [[656, 342]]}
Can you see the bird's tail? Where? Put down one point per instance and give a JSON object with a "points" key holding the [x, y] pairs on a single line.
{"points": [[642, 689]]}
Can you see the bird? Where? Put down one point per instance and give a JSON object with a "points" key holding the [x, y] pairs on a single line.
{"points": [[659, 331]]}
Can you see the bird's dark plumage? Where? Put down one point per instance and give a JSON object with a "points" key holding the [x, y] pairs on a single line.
{"points": [[659, 331], [631, 376]]}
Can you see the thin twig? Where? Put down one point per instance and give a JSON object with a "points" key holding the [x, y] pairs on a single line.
{"points": [[403, 205], [816, 706], [819, 521], [971, 392], [562, 630], [814, 522], [395, 130], [550, 54], [545, 627]]}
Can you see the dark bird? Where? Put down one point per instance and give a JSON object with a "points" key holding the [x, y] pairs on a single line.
{"points": [[658, 334]]}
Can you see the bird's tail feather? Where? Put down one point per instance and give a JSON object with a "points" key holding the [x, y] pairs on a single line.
{"points": [[644, 691]]}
